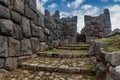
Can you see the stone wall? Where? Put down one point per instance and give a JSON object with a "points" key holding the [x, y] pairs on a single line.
{"points": [[25, 31], [70, 29], [107, 63], [97, 26]]}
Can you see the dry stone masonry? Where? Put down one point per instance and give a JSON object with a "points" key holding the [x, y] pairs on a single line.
{"points": [[97, 26], [107, 63], [24, 31]]}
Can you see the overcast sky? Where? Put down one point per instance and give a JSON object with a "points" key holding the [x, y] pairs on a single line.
{"points": [[82, 7]]}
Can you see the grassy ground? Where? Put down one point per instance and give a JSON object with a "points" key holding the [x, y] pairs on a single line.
{"points": [[113, 43]]}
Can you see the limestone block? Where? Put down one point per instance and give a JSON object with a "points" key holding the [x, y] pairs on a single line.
{"points": [[13, 46], [2, 61], [47, 31], [43, 46], [6, 27], [3, 46], [4, 12], [29, 13], [26, 27], [17, 32], [35, 44], [31, 4], [116, 73], [34, 30], [16, 17], [11, 63], [41, 20], [19, 6], [5, 2], [113, 58], [41, 34], [26, 47]]}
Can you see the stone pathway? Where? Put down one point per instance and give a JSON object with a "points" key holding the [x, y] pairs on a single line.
{"points": [[56, 64]]}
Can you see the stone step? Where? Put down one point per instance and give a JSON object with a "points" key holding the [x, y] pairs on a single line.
{"points": [[33, 74], [62, 55], [73, 48], [73, 66]]}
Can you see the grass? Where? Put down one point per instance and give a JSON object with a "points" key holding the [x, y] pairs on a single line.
{"points": [[76, 44], [113, 43], [59, 51]]}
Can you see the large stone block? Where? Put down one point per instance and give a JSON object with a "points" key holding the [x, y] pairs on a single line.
{"points": [[43, 46], [3, 46], [26, 47], [4, 12], [13, 46], [5, 2], [31, 4], [35, 44], [47, 31], [29, 13], [16, 17], [116, 73], [6, 27], [2, 62], [26, 27], [17, 32], [113, 58], [11, 63], [34, 30], [41, 20], [41, 34], [19, 6]]}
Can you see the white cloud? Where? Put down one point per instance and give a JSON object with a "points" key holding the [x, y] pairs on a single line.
{"points": [[54, 5], [74, 4], [64, 14], [40, 5], [116, 0], [86, 7], [115, 16]]}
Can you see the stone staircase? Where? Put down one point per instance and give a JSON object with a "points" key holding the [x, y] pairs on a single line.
{"points": [[68, 62]]}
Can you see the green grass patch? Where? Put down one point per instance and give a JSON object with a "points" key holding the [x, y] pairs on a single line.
{"points": [[113, 43]]}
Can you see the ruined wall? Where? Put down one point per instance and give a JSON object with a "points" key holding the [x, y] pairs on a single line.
{"points": [[24, 31], [70, 29], [107, 63], [97, 26]]}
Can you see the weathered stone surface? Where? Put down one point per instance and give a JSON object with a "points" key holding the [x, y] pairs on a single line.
{"points": [[41, 34], [31, 4], [43, 46], [5, 2], [34, 30], [2, 61], [6, 27], [3, 46], [26, 27], [17, 32], [35, 44], [47, 13], [97, 26], [19, 6], [116, 73], [26, 47], [13, 46], [47, 31], [41, 20], [4, 12], [57, 14], [29, 13], [113, 58], [16, 17], [11, 63]]}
